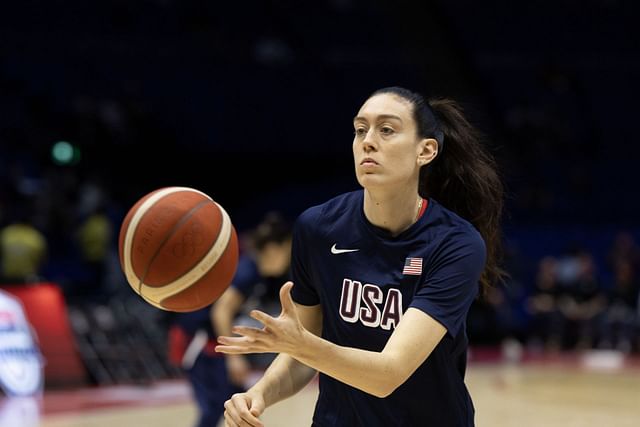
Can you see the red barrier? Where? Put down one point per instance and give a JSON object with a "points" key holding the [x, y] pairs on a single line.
{"points": [[46, 310]]}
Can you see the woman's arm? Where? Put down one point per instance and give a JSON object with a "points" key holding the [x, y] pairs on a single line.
{"points": [[283, 378], [224, 311], [377, 373], [286, 375]]}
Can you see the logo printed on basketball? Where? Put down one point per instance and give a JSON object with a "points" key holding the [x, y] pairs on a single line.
{"points": [[178, 249], [163, 214], [189, 242]]}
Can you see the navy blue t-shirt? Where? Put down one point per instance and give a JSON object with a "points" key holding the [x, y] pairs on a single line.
{"points": [[365, 279], [247, 276], [249, 282]]}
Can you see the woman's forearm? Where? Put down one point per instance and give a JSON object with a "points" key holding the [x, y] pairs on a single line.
{"points": [[373, 372], [377, 373], [284, 377]]}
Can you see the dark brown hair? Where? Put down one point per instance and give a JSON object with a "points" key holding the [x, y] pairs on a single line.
{"points": [[463, 177], [273, 229]]}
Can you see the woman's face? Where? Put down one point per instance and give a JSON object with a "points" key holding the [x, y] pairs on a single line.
{"points": [[386, 147], [274, 259]]}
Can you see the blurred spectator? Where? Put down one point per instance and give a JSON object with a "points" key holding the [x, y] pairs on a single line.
{"points": [[23, 247], [95, 241], [94, 237], [582, 300], [624, 248], [491, 320], [620, 324], [547, 324]]}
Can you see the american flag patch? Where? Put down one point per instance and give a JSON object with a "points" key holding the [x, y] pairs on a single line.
{"points": [[412, 266]]}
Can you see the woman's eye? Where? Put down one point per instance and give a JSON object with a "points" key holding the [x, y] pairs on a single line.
{"points": [[360, 131], [386, 130]]}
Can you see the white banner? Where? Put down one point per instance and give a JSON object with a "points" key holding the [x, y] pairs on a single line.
{"points": [[21, 367]]}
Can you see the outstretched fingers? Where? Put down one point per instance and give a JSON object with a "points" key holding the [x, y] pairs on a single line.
{"points": [[251, 340], [281, 334], [285, 298], [249, 331], [234, 345], [262, 317]]}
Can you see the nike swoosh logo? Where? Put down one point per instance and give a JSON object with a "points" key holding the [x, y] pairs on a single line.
{"points": [[337, 251]]}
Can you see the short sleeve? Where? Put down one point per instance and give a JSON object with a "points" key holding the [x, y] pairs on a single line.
{"points": [[246, 277], [303, 291], [452, 278]]}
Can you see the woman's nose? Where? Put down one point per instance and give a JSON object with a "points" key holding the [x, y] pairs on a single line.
{"points": [[369, 142]]}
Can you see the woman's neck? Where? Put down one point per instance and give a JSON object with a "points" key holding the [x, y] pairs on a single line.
{"points": [[392, 211]]}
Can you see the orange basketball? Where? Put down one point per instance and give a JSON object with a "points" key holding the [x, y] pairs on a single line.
{"points": [[178, 249]]}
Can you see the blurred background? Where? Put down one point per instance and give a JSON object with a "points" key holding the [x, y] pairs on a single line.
{"points": [[251, 102]]}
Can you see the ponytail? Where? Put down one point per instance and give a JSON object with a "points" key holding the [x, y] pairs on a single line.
{"points": [[463, 178]]}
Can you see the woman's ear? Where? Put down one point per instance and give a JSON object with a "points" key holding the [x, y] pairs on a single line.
{"points": [[427, 151]]}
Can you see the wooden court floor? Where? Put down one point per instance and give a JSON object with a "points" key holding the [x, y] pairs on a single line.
{"points": [[504, 395]]}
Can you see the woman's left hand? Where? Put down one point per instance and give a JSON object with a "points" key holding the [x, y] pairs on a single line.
{"points": [[282, 334]]}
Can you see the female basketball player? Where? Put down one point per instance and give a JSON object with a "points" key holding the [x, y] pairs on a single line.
{"points": [[383, 277]]}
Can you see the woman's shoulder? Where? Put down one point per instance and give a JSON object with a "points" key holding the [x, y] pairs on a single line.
{"points": [[452, 227]]}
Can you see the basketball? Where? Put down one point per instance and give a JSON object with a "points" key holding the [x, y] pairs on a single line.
{"points": [[178, 249]]}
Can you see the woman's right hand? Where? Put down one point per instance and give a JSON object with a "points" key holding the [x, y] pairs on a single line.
{"points": [[243, 409]]}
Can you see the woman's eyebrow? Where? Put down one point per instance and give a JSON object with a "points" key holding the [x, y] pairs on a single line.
{"points": [[381, 116]]}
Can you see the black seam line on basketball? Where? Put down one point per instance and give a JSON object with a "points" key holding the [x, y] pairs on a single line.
{"points": [[173, 231], [204, 255]]}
